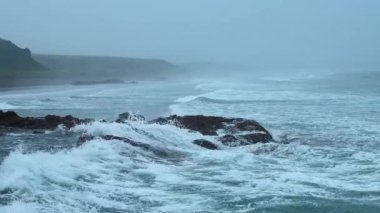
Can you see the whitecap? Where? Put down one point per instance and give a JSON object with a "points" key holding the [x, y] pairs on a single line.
{"points": [[5, 106]]}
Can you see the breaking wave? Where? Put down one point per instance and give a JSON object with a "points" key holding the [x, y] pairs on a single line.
{"points": [[332, 162]]}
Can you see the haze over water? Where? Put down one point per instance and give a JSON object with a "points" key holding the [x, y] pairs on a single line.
{"points": [[308, 71]]}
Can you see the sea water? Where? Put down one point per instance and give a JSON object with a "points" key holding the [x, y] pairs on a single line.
{"points": [[329, 163]]}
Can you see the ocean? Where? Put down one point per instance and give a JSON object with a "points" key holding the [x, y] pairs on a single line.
{"points": [[329, 163]]}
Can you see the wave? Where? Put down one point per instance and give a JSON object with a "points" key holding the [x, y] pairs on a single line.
{"points": [[48, 100], [113, 176], [211, 100], [5, 105], [295, 78], [326, 165], [222, 101], [219, 95], [219, 101], [85, 97], [206, 100], [11, 106]]}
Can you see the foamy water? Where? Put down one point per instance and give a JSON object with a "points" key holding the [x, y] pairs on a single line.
{"points": [[331, 163]]}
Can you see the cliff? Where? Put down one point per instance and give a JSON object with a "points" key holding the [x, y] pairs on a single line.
{"points": [[13, 58]]}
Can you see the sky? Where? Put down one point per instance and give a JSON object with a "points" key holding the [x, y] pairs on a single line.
{"points": [[263, 33]]}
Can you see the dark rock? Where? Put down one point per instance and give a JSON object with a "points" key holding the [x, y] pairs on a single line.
{"points": [[126, 140], [207, 125], [242, 140], [234, 131], [126, 116], [205, 144], [38, 132], [228, 140], [84, 138], [6, 191], [11, 119], [256, 138], [9, 116], [249, 125]]}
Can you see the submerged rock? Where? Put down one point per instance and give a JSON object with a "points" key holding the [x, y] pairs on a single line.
{"points": [[38, 132], [127, 116], [228, 140], [205, 144], [230, 131], [247, 139], [84, 138], [147, 147], [13, 120]]}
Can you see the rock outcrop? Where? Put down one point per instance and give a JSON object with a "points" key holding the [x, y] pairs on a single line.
{"points": [[229, 131], [205, 144], [127, 116], [11, 119], [223, 131]]}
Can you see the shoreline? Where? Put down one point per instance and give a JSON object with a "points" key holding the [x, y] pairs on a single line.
{"points": [[103, 101]]}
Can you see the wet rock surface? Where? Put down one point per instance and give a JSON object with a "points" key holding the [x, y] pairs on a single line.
{"points": [[127, 116], [225, 131], [229, 131], [247, 139], [205, 144], [11, 119]]}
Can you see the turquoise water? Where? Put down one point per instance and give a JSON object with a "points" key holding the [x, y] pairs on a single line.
{"points": [[331, 164]]}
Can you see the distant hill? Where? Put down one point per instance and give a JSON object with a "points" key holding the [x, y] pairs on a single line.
{"points": [[15, 60], [18, 67], [101, 67]]}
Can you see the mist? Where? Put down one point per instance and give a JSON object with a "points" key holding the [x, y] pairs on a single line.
{"points": [[189, 106], [292, 34]]}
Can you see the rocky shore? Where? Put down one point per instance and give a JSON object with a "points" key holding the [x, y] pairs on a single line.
{"points": [[231, 132]]}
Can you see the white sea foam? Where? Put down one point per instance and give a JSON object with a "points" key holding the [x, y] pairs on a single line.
{"points": [[332, 157], [114, 175], [19, 207], [5, 106]]}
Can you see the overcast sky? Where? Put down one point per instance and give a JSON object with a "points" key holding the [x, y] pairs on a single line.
{"points": [[261, 32]]}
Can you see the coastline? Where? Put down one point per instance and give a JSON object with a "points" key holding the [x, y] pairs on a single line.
{"points": [[151, 98]]}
